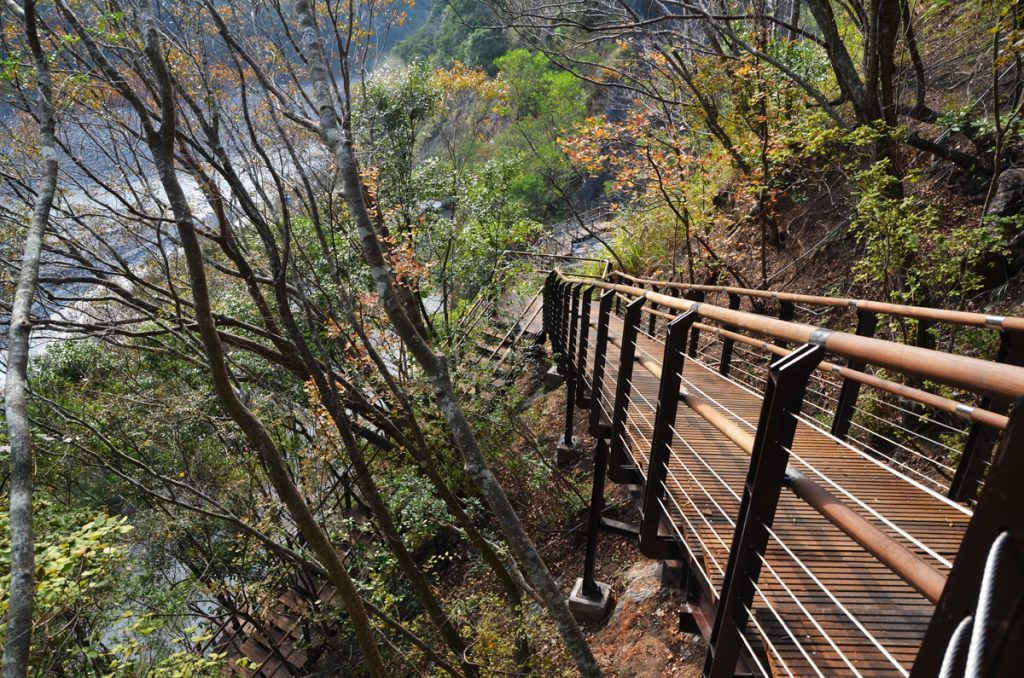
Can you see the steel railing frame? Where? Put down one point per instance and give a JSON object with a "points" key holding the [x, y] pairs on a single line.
{"points": [[768, 474]]}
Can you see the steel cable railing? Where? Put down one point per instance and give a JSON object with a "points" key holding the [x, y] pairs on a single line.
{"points": [[690, 494]]}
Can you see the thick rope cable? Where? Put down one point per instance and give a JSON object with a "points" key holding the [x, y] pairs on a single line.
{"points": [[953, 659], [981, 633]]}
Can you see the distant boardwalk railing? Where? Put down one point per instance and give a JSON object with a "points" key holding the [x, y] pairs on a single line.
{"points": [[814, 483]]}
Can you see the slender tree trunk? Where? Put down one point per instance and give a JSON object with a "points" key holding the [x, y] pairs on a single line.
{"points": [[433, 365], [162, 146], [22, 589]]}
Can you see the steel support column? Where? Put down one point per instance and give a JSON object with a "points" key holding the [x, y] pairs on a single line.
{"points": [[866, 323], [653, 543], [727, 344], [998, 511], [599, 428], [583, 395], [590, 588], [571, 369], [620, 469], [776, 426], [982, 439]]}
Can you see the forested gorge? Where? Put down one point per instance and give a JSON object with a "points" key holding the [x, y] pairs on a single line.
{"points": [[246, 244]]}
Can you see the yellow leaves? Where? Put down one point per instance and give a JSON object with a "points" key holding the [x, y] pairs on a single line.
{"points": [[462, 79], [744, 71]]}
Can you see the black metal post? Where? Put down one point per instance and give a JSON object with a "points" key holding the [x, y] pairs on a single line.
{"points": [[651, 321], [583, 395], [866, 323], [786, 311], [776, 427], [571, 369], [727, 344], [604, 313], [565, 290], [981, 439], [997, 511], [556, 318], [590, 588], [620, 469], [694, 332], [653, 543], [547, 306]]}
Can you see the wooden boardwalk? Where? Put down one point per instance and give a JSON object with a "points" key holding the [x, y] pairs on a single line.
{"points": [[824, 605]]}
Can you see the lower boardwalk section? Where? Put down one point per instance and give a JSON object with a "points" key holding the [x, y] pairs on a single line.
{"points": [[823, 605]]}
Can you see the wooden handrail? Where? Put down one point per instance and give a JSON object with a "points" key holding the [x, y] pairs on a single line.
{"points": [[941, 403], [903, 562], [966, 318], [975, 375]]}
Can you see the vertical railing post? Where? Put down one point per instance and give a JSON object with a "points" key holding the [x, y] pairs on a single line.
{"points": [[652, 319], [697, 296], [776, 427], [590, 587], [727, 344], [787, 309], [997, 511], [571, 368], [547, 307], [653, 543], [604, 313], [556, 318], [866, 323], [981, 439], [583, 392], [565, 290], [620, 469]]}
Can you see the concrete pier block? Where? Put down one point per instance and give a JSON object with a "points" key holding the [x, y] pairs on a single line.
{"points": [[566, 455], [590, 609], [671, 574], [553, 379]]}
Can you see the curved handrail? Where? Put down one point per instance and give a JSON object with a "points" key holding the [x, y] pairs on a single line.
{"points": [[973, 374], [940, 403], [965, 318]]}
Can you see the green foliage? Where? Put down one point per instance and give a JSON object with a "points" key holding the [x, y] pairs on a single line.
{"points": [[542, 102], [420, 514], [449, 35], [131, 651], [81, 568], [907, 253]]}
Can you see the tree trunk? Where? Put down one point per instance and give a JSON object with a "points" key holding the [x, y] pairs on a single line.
{"points": [[161, 143], [22, 590], [433, 365]]}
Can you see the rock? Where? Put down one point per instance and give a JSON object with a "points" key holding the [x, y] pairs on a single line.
{"points": [[641, 637], [1009, 197]]}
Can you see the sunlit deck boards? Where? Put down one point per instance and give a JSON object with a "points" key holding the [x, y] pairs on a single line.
{"points": [[824, 605]]}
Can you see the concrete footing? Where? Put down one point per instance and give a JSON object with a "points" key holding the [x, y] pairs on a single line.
{"points": [[590, 609], [671, 574], [566, 455], [553, 379]]}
